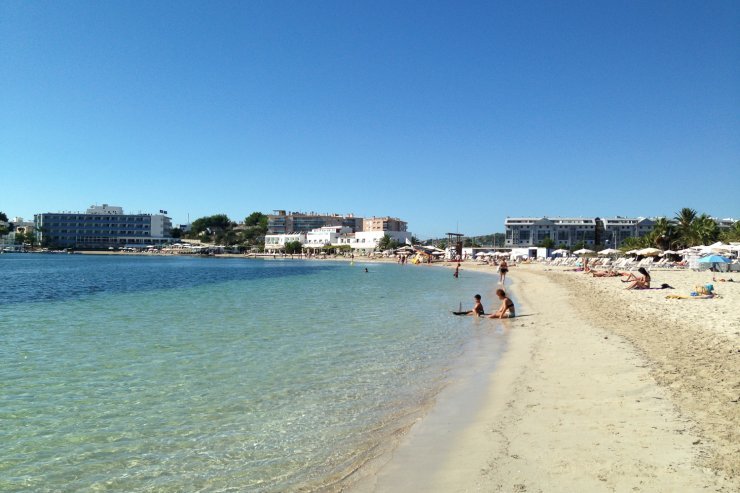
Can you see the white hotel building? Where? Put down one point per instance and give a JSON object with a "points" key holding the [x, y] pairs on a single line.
{"points": [[361, 242], [569, 231]]}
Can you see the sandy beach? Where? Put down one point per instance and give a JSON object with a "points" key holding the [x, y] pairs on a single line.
{"points": [[601, 389]]}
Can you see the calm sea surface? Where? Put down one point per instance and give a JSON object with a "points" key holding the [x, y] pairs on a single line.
{"points": [[189, 374]]}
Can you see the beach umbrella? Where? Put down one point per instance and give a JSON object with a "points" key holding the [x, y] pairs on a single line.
{"points": [[583, 251], [649, 252], [714, 259], [720, 247], [561, 251], [608, 251], [669, 252]]}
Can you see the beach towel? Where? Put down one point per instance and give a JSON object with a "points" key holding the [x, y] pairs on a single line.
{"points": [[692, 297]]}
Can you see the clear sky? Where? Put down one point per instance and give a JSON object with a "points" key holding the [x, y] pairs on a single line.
{"points": [[447, 114]]}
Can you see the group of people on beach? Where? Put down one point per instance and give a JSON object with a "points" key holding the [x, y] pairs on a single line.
{"points": [[642, 280], [639, 281], [506, 310]]}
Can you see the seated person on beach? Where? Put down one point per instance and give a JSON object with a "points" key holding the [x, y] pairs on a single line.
{"points": [[477, 308], [507, 306], [640, 282]]}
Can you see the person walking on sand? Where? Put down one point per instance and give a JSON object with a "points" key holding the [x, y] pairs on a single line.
{"points": [[503, 268], [507, 306], [477, 310]]}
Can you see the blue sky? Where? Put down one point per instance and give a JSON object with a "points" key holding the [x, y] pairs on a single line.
{"points": [[446, 114]]}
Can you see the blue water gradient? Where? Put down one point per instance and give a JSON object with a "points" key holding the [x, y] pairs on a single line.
{"points": [[191, 374]]}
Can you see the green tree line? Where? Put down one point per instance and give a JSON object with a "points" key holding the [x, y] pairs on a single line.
{"points": [[688, 229]]}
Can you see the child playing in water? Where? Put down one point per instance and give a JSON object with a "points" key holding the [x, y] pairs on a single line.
{"points": [[477, 310]]}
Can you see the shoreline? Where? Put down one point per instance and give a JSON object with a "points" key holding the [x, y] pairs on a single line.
{"points": [[577, 404], [427, 442]]}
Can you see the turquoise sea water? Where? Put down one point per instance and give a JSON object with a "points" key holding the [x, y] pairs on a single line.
{"points": [[190, 374]]}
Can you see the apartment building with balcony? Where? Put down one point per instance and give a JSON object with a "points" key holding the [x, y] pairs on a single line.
{"points": [[532, 231], [383, 224], [286, 222], [569, 231], [101, 227]]}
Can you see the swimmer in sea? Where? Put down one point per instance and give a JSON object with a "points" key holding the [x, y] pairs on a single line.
{"points": [[507, 306]]}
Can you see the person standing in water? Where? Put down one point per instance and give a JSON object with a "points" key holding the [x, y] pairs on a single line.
{"points": [[502, 270]]}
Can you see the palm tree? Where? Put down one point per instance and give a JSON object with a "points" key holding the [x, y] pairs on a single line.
{"points": [[637, 242], [685, 217], [665, 234], [731, 234], [705, 229]]}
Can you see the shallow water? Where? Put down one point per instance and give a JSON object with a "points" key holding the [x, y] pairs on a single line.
{"points": [[191, 374]]}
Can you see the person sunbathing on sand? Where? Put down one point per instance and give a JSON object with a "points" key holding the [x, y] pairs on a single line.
{"points": [[640, 282], [507, 306], [605, 273]]}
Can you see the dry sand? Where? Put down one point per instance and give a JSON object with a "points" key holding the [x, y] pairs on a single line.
{"points": [[601, 389]]}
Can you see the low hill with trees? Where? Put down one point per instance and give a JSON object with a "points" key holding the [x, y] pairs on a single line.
{"points": [[220, 230]]}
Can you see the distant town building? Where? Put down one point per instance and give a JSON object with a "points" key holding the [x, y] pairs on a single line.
{"points": [[383, 224], [276, 243], [725, 223], [285, 222], [569, 231], [532, 231], [102, 227], [21, 226], [613, 231], [361, 241]]}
